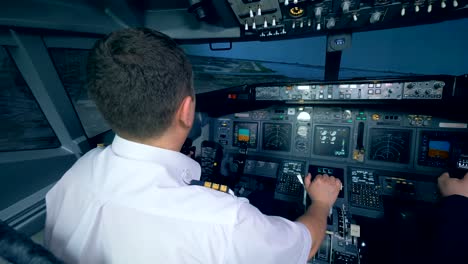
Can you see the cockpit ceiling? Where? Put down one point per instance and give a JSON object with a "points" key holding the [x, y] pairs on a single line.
{"points": [[235, 20]]}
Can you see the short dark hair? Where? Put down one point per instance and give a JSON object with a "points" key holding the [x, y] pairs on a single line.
{"points": [[138, 79]]}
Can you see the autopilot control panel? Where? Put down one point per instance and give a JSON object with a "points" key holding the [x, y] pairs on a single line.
{"points": [[386, 159]]}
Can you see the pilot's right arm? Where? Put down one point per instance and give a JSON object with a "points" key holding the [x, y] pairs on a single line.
{"points": [[451, 241], [258, 238]]}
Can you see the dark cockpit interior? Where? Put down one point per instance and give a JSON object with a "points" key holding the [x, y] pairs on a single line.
{"points": [[370, 91]]}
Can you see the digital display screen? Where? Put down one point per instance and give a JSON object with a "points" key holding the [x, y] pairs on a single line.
{"points": [[439, 149], [442, 149], [330, 171], [276, 136], [331, 141], [245, 132], [390, 145]]}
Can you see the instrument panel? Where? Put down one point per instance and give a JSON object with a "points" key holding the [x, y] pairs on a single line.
{"points": [[387, 161], [375, 153], [432, 89], [385, 138]]}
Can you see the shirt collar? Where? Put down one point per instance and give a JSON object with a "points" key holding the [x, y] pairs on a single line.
{"points": [[179, 164]]}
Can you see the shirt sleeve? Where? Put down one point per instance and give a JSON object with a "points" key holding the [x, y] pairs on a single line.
{"points": [[258, 238], [452, 231]]}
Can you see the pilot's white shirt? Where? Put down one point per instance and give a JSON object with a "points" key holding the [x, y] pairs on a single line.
{"points": [[130, 203]]}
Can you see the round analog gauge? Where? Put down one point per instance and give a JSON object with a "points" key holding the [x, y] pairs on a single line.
{"points": [[347, 114], [302, 131], [303, 116], [333, 133], [301, 145], [324, 132], [296, 11]]}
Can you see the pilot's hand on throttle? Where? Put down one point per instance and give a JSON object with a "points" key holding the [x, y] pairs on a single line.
{"points": [[323, 188], [452, 186]]}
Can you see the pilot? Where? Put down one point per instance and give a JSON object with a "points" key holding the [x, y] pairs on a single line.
{"points": [[451, 236], [132, 201]]}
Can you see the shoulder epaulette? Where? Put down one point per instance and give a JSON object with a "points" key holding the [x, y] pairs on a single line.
{"points": [[212, 185]]}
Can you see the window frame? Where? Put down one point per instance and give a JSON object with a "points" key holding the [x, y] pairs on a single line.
{"points": [[8, 54]]}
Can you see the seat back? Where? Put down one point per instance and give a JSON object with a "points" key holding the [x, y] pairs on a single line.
{"points": [[20, 249]]}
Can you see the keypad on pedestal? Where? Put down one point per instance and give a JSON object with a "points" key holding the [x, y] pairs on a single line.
{"points": [[365, 195]]}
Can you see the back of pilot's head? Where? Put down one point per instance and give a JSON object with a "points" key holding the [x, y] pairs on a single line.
{"points": [[138, 78]]}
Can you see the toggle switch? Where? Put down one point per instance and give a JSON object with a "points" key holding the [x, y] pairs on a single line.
{"points": [[345, 6], [403, 11], [416, 8], [319, 27], [265, 23], [318, 12], [355, 17], [295, 2], [273, 22], [301, 25], [443, 4], [294, 25], [246, 27], [286, 2], [375, 17], [455, 3], [254, 26], [259, 11], [309, 23], [331, 23], [429, 8], [251, 13]]}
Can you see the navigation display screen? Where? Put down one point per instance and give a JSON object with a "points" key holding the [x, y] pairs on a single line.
{"points": [[276, 136], [331, 141], [390, 145], [245, 132]]}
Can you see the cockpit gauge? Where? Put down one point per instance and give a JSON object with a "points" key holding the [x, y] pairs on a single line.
{"points": [[331, 141], [259, 115], [302, 131], [390, 145], [276, 136], [303, 117], [296, 11], [347, 115]]}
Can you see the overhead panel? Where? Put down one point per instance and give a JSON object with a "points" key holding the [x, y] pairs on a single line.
{"points": [[276, 19]]}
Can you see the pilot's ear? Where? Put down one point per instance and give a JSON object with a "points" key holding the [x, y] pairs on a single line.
{"points": [[186, 112]]}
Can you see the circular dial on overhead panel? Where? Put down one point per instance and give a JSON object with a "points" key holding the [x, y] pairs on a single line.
{"points": [[296, 11], [276, 136], [390, 145]]}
